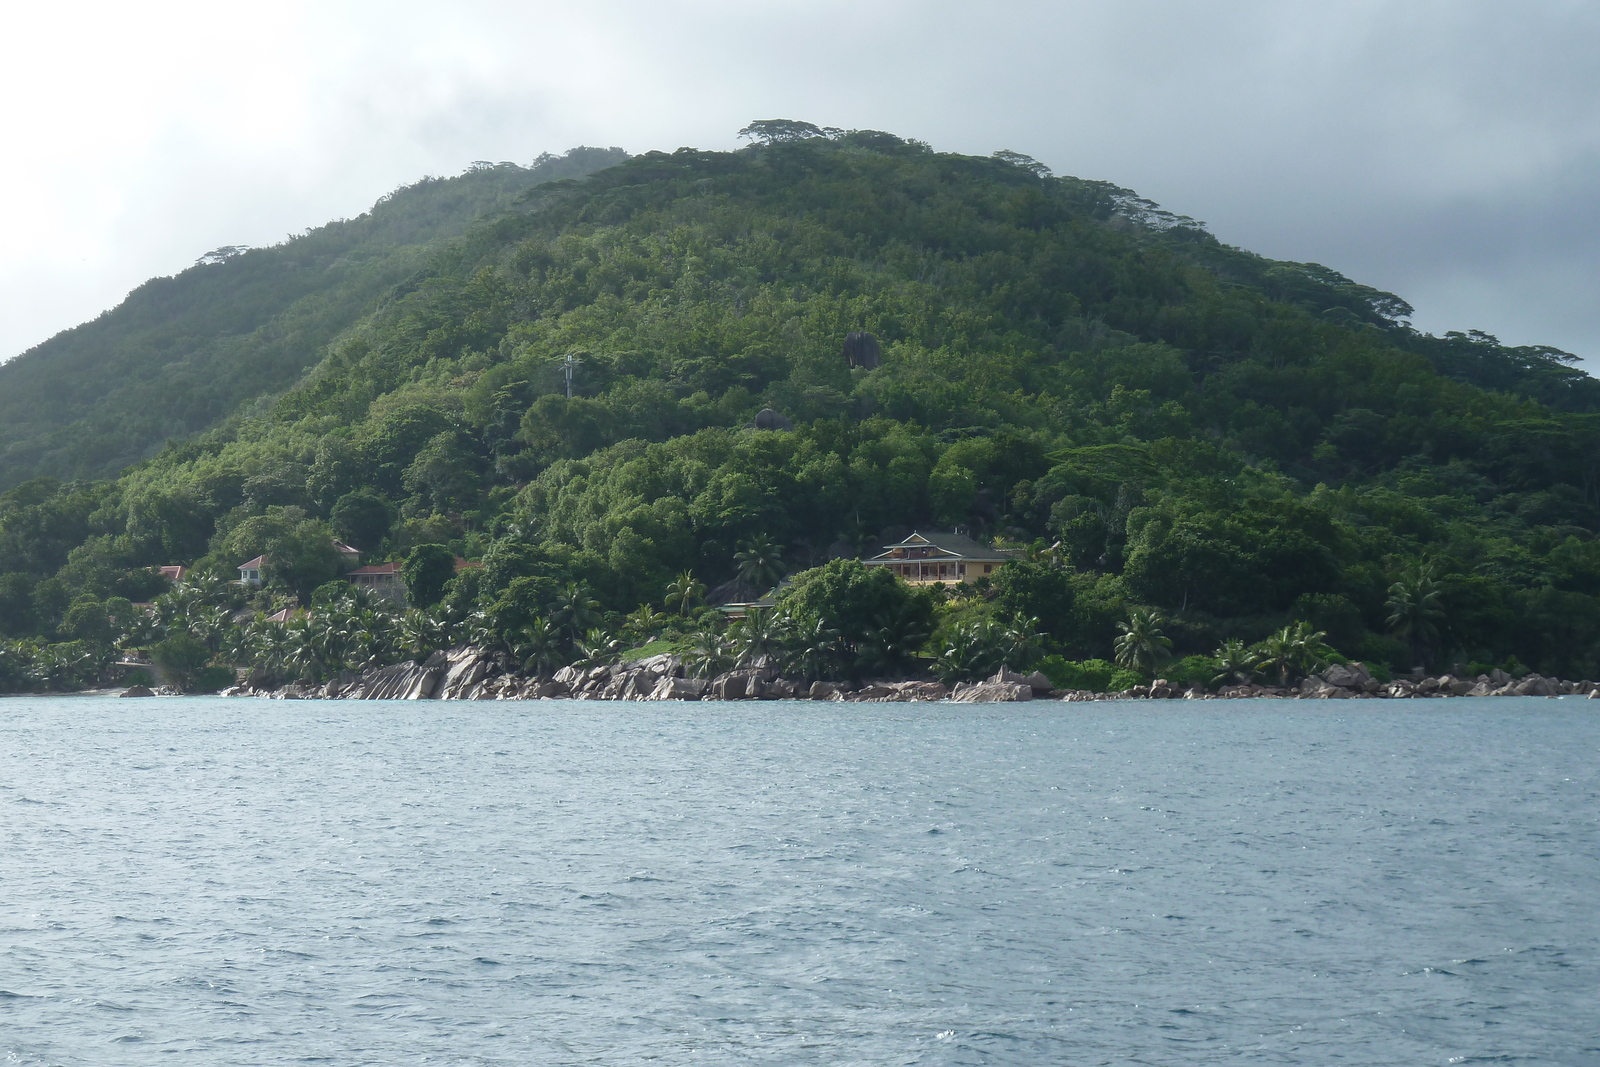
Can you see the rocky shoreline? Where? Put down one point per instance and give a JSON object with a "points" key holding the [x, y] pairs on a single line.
{"points": [[473, 674]]}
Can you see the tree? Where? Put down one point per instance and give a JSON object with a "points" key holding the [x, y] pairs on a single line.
{"points": [[299, 551], [180, 658], [683, 591], [426, 571], [576, 610], [1142, 644], [1293, 651], [644, 622], [363, 518], [776, 131], [760, 563], [709, 654], [1028, 590], [1234, 661], [1415, 611], [445, 473], [538, 646]]}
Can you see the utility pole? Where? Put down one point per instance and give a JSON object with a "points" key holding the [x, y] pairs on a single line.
{"points": [[570, 361]]}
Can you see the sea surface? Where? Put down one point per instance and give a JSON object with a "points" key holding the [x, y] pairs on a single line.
{"points": [[209, 882]]}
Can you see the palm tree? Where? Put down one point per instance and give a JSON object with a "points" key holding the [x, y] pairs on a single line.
{"points": [[754, 638], [1142, 644], [538, 647], [1310, 650], [598, 648], [683, 591], [1235, 660], [709, 654], [645, 622], [1293, 651], [419, 633], [760, 563], [269, 647], [815, 649], [893, 639], [576, 611], [1415, 610], [975, 648]]}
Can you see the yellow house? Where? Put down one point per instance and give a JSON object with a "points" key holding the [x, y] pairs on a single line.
{"points": [[940, 559]]}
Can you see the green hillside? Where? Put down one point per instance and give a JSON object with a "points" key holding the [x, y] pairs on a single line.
{"points": [[1159, 419], [181, 353]]}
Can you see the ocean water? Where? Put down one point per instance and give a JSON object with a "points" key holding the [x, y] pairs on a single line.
{"points": [[208, 881]]}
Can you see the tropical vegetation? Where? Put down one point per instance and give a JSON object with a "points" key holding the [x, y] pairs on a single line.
{"points": [[1201, 458]]}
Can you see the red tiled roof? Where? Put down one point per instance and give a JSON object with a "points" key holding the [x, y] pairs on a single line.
{"points": [[254, 564], [175, 572], [466, 565], [375, 569]]}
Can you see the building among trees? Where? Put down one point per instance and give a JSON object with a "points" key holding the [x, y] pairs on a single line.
{"points": [[940, 559]]}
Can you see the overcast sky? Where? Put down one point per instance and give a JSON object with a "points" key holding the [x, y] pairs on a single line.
{"points": [[1448, 152]]}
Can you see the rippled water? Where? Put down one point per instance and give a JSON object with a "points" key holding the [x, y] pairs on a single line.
{"points": [[245, 882]]}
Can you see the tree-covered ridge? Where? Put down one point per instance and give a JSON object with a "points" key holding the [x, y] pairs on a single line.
{"points": [[180, 353], [1169, 422]]}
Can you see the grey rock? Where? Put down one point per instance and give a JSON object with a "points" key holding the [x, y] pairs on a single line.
{"points": [[991, 692], [678, 689], [768, 419], [1040, 683], [861, 349]]}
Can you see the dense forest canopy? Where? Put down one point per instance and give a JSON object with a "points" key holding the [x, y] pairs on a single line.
{"points": [[180, 353], [1161, 420]]}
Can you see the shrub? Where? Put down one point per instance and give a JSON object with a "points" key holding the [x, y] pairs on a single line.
{"points": [[1097, 675], [211, 679]]}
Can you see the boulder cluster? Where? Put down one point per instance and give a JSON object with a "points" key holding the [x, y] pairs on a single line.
{"points": [[472, 674], [1346, 681]]}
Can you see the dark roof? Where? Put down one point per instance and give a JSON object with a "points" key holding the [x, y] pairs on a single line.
{"points": [[953, 543]]}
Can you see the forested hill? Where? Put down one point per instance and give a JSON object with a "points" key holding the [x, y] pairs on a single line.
{"points": [[1160, 418], [182, 352]]}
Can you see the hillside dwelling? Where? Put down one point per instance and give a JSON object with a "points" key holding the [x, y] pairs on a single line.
{"points": [[288, 614], [940, 559], [173, 574], [250, 573], [741, 609], [383, 580]]}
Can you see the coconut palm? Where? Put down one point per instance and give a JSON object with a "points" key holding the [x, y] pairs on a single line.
{"points": [[1293, 651], [893, 639], [1236, 661], [814, 649], [757, 638], [1142, 644], [418, 633], [645, 622], [760, 561], [598, 648], [974, 648], [709, 654], [1415, 610], [538, 647], [683, 591], [576, 610], [269, 647]]}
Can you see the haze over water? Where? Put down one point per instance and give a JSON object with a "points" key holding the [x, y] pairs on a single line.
{"points": [[209, 881]]}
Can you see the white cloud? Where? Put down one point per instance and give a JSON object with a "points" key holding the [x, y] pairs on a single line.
{"points": [[1447, 151]]}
